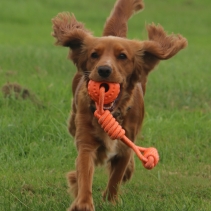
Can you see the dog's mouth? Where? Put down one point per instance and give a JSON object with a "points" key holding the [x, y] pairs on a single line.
{"points": [[110, 106]]}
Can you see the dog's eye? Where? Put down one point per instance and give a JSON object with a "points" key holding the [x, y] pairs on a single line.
{"points": [[94, 55], [122, 56]]}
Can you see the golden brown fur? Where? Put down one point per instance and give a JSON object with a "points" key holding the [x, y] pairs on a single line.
{"points": [[111, 58]]}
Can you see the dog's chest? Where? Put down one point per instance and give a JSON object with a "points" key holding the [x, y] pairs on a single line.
{"points": [[111, 150], [107, 151]]}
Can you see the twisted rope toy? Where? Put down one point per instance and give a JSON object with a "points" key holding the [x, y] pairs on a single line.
{"points": [[104, 93]]}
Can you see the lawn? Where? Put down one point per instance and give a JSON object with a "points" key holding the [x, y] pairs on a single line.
{"points": [[36, 150]]}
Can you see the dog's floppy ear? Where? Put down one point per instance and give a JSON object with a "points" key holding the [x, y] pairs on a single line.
{"points": [[116, 24], [160, 46], [70, 33]]}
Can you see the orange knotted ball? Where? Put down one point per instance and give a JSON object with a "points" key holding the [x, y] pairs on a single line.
{"points": [[152, 155]]}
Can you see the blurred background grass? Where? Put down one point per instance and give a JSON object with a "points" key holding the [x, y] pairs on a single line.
{"points": [[35, 148]]}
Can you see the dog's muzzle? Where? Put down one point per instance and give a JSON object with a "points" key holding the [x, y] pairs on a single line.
{"points": [[104, 71]]}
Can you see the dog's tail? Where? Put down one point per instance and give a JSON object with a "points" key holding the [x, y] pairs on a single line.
{"points": [[116, 24]]}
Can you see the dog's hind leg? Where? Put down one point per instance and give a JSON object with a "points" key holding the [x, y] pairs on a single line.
{"points": [[129, 170], [119, 171], [72, 181]]}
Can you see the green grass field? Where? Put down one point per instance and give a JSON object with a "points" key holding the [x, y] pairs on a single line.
{"points": [[36, 150]]}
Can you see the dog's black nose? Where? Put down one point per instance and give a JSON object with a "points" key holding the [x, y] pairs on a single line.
{"points": [[104, 71]]}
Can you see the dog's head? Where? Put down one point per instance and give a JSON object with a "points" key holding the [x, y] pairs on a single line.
{"points": [[112, 58]]}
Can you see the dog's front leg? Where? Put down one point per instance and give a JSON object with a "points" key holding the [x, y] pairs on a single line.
{"points": [[84, 177]]}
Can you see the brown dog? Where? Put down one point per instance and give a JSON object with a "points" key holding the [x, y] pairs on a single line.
{"points": [[110, 58]]}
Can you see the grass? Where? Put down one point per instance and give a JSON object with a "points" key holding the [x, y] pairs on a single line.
{"points": [[35, 149]]}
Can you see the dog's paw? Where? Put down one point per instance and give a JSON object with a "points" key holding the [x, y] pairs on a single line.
{"points": [[85, 206], [112, 198]]}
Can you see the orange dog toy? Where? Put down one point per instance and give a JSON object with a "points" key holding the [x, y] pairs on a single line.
{"points": [[104, 93]]}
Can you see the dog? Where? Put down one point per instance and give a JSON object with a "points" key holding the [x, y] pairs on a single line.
{"points": [[110, 58]]}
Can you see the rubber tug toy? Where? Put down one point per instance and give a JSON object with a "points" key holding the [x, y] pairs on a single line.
{"points": [[104, 93]]}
